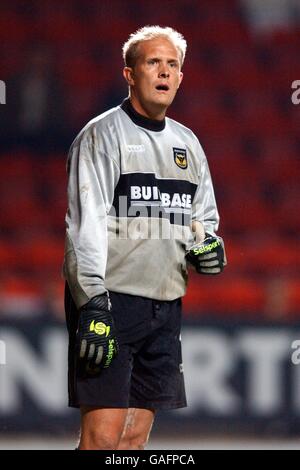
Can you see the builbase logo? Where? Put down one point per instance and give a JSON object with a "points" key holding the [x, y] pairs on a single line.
{"points": [[2, 353], [2, 92]]}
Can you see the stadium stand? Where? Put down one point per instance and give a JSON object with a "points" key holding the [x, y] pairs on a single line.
{"points": [[236, 98]]}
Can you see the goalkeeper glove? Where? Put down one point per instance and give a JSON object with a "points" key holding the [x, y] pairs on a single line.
{"points": [[208, 257], [96, 336]]}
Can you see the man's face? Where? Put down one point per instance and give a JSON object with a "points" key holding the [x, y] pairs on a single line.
{"points": [[156, 76]]}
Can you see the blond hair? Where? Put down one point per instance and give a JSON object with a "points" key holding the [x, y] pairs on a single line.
{"points": [[152, 32]]}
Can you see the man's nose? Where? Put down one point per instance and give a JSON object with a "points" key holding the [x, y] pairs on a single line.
{"points": [[163, 72]]}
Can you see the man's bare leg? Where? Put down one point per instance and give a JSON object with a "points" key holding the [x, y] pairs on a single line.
{"points": [[115, 428], [101, 428], [137, 429]]}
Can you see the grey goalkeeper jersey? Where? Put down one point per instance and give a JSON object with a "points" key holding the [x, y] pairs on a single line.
{"points": [[134, 187]]}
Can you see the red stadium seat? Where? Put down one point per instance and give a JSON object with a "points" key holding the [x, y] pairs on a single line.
{"points": [[8, 255], [293, 296], [12, 22], [222, 31], [230, 297], [43, 254], [20, 286], [16, 164]]}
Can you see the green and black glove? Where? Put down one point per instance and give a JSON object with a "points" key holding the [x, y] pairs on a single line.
{"points": [[208, 257], [97, 344]]}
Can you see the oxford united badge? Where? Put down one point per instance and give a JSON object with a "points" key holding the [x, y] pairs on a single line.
{"points": [[180, 158]]}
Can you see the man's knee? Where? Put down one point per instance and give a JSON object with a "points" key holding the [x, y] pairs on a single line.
{"points": [[132, 440], [98, 440], [101, 429], [137, 429]]}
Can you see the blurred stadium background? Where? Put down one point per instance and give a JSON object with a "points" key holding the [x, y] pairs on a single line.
{"points": [[61, 63]]}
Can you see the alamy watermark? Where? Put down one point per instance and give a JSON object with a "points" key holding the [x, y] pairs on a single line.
{"points": [[2, 353], [149, 213], [2, 92], [296, 94], [296, 354]]}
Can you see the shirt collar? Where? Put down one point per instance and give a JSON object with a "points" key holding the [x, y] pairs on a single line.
{"points": [[142, 121]]}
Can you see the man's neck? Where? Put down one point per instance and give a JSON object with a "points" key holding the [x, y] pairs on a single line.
{"points": [[157, 114], [141, 120]]}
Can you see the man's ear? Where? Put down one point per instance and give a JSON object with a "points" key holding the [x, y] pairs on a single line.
{"points": [[128, 74], [180, 79]]}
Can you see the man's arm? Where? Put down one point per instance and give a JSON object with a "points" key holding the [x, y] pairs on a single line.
{"points": [[92, 177], [204, 209], [207, 254]]}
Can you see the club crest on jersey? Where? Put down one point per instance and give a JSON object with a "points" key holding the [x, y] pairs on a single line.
{"points": [[180, 158]]}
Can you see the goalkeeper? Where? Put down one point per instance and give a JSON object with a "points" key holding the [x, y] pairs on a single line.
{"points": [[141, 207]]}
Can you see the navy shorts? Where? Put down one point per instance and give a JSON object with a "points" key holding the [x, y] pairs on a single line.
{"points": [[147, 372]]}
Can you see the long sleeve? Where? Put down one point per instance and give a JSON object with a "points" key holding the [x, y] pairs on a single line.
{"points": [[92, 178], [204, 208]]}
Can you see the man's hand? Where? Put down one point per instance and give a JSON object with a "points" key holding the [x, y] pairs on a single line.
{"points": [[96, 337], [208, 257]]}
